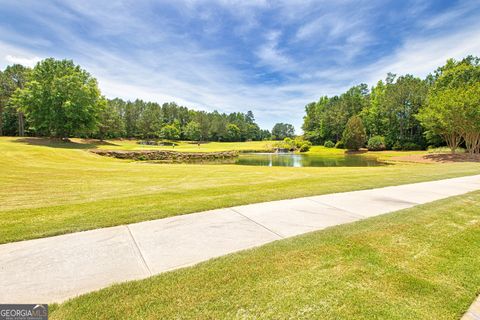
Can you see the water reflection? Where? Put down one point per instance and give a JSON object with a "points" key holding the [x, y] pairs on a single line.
{"points": [[301, 160], [290, 160]]}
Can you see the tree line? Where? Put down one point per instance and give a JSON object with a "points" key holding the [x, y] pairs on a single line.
{"points": [[150, 120], [60, 99], [405, 112]]}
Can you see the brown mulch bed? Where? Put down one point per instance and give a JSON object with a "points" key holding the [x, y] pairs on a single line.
{"points": [[438, 158]]}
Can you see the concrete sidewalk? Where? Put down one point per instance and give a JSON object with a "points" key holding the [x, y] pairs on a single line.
{"points": [[473, 313], [57, 268]]}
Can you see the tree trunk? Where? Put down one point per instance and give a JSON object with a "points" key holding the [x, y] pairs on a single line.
{"points": [[21, 124], [453, 140], [472, 142]]}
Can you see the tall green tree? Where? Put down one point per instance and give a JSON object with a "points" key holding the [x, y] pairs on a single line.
{"points": [[170, 131], [453, 109], [354, 135], [61, 99], [193, 131], [110, 122], [327, 118], [281, 131], [150, 119], [233, 132], [402, 100], [372, 117], [12, 118], [313, 121], [218, 126]]}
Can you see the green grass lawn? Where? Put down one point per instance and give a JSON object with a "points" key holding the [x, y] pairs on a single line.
{"points": [[419, 263], [184, 146], [54, 188]]}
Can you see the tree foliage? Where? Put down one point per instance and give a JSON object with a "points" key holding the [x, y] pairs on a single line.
{"points": [[12, 119], [150, 120], [192, 131], [60, 100], [170, 132], [453, 109], [376, 143], [281, 131], [354, 135], [388, 109], [326, 119]]}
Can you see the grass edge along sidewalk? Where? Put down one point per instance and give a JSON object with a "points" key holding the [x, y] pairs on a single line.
{"points": [[416, 263]]}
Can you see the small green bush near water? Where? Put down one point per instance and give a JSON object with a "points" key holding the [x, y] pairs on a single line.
{"points": [[406, 146], [339, 144], [376, 143], [305, 147], [329, 144]]}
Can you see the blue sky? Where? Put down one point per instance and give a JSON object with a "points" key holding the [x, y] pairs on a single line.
{"points": [[271, 57]]}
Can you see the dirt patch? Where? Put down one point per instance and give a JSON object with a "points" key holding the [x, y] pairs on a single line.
{"points": [[438, 158]]}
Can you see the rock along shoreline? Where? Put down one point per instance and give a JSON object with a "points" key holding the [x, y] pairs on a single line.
{"points": [[166, 155]]}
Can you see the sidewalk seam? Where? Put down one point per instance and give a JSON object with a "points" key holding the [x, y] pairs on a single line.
{"points": [[257, 223], [350, 213], [139, 252]]}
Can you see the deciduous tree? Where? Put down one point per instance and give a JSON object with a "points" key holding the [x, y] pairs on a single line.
{"points": [[61, 99]]}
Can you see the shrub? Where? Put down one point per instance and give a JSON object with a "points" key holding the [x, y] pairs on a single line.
{"points": [[170, 132], [376, 143], [300, 141], [305, 147], [354, 135], [397, 146], [339, 144], [406, 146], [411, 146], [313, 136], [329, 144], [288, 143]]}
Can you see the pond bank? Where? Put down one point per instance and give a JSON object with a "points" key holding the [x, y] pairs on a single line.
{"points": [[166, 155]]}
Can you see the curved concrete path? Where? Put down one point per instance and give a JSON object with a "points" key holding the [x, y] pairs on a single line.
{"points": [[57, 268]]}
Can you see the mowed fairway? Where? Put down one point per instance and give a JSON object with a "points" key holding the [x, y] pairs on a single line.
{"points": [[60, 188], [419, 263], [188, 146]]}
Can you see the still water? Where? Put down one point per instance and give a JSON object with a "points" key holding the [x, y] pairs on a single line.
{"points": [[304, 160]]}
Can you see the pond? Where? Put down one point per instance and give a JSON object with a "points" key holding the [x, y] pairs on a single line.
{"points": [[305, 160], [290, 160]]}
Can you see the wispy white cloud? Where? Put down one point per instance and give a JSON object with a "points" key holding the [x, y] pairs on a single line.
{"points": [[271, 66], [422, 55], [271, 55], [457, 14], [28, 62], [10, 54]]}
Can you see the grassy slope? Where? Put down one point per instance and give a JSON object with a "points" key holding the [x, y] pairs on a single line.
{"points": [[187, 146], [419, 263], [47, 190]]}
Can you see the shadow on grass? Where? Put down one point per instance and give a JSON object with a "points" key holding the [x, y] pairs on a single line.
{"points": [[453, 157], [63, 143]]}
